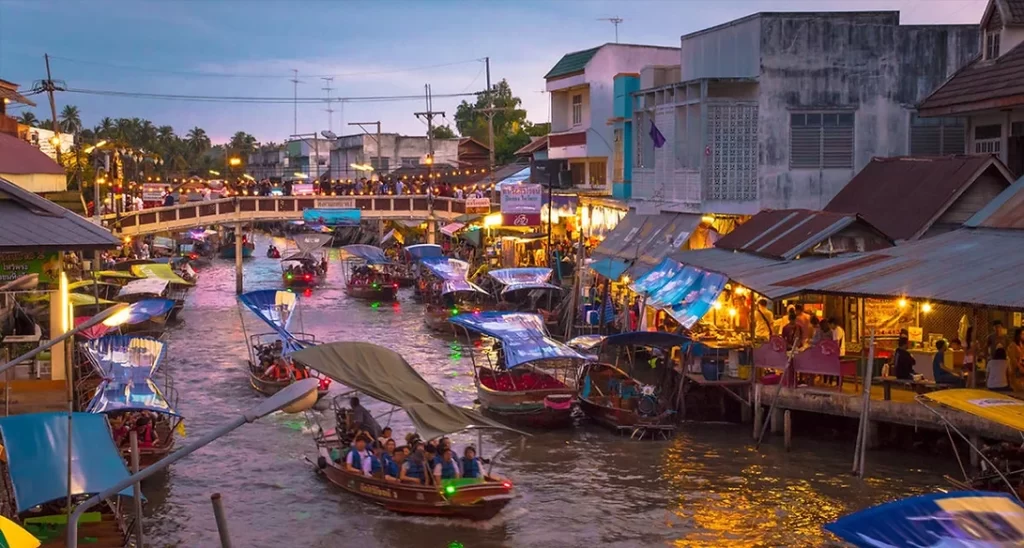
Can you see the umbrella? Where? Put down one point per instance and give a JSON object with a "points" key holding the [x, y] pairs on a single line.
{"points": [[13, 536]]}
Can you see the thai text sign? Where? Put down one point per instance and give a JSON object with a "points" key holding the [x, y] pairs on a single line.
{"points": [[333, 217], [520, 205], [478, 205], [336, 203], [15, 264]]}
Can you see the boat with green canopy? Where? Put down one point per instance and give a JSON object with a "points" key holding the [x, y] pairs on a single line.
{"points": [[384, 375]]}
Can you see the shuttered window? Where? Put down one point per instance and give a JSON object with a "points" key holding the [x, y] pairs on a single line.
{"points": [[937, 136], [821, 140]]}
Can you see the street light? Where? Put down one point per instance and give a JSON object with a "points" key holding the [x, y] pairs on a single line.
{"points": [[235, 161], [291, 394]]}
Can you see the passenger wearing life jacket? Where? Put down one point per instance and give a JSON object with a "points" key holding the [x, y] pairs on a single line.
{"points": [[414, 469], [387, 459], [471, 464], [446, 468], [144, 428], [359, 460], [377, 462]]}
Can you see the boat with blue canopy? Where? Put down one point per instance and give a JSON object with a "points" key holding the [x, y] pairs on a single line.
{"points": [[632, 385], [368, 274], [408, 263], [36, 448], [962, 518], [525, 288], [448, 291], [306, 266], [269, 366], [526, 378]]}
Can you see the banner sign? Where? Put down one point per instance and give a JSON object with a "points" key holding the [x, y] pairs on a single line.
{"points": [[152, 192], [478, 205], [15, 264], [336, 203], [333, 217], [520, 205], [302, 189]]}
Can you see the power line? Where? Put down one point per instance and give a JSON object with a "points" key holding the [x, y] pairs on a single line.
{"points": [[210, 74], [244, 99]]}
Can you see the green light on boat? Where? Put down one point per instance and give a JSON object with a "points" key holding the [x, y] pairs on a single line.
{"points": [[449, 490], [375, 305], [289, 276], [455, 311]]}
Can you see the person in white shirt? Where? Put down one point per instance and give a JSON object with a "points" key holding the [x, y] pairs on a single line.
{"points": [[359, 459], [838, 334], [764, 321]]}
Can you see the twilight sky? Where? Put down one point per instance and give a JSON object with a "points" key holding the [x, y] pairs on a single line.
{"points": [[372, 48]]}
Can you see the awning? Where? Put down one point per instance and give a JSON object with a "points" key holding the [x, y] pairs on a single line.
{"points": [[409, 224], [36, 448], [515, 279], [147, 309], [119, 274], [523, 336], [385, 376], [686, 293], [453, 273], [986, 404], [647, 239], [159, 272], [521, 176], [274, 307], [369, 253], [143, 395], [609, 267], [144, 286], [451, 228], [424, 251], [125, 358]]}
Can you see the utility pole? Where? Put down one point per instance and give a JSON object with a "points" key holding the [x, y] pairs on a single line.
{"points": [[615, 21], [330, 111], [428, 115], [489, 112], [295, 112], [49, 86], [377, 123]]}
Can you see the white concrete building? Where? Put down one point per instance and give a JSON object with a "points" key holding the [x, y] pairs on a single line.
{"points": [[581, 86], [396, 151], [780, 110]]}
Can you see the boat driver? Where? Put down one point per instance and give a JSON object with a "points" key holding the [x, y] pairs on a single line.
{"points": [[362, 420]]}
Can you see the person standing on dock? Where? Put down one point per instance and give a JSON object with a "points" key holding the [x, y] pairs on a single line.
{"points": [[764, 320]]}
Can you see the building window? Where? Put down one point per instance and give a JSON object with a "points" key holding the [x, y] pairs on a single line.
{"points": [[1017, 129], [598, 173], [991, 45], [383, 163], [619, 174], [988, 139], [821, 140], [577, 109], [410, 161], [937, 136]]}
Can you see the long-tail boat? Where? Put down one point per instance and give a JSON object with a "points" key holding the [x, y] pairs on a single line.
{"points": [[409, 260], [366, 275], [448, 292], [306, 267], [270, 367], [528, 378], [384, 375], [526, 288]]}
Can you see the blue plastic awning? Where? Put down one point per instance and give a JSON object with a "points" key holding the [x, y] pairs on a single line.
{"points": [[113, 396], [147, 309], [424, 251], [523, 336], [125, 358], [684, 292], [967, 518], [272, 306], [610, 267], [369, 253], [453, 273], [37, 457], [515, 279]]}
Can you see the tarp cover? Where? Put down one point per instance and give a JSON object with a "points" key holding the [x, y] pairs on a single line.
{"points": [[144, 286], [585, 343], [424, 251], [114, 396], [966, 518], [114, 274], [36, 447], [369, 253], [384, 375], [311, 242], [160, 272], [453, 273], [522, 335], [272, 306], [609, 267], [684, 292], [125, 358], [986, 404], [147, 309], [515, 279], [302, 256]]}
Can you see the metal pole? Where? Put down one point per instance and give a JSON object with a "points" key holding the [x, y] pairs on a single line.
{"points": [[238, 258], [380, 165], [133, 438], [551, 206], [70, 458], [222, 522], [490, 122]]}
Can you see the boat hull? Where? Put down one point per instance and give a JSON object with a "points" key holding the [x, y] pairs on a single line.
{"points": [[547, 408], [299, 281], [623, 419], [369, 293], [228, 252], [477, 502], [269, 387]]}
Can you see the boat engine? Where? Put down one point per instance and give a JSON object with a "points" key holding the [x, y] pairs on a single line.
{"points": [[648, 404]]}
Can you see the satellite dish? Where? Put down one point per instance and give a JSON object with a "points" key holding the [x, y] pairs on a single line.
{"points": [[328, 134]]}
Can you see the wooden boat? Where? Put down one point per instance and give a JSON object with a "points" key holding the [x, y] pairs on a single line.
{"points": [[615, 399], [227, 248], [531, 381], [448, 292], [268, 385], [306, 267], [384, 375], [368, 274]]}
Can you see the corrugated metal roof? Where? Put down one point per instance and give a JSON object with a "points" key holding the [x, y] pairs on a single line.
{"points": [[1004, 211], [536, 144], [647, 239], [904, 196], [30, 222], [785, 233], [967, 266], [572, 62], [981, 80]]}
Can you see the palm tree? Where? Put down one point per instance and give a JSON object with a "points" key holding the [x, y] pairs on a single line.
{"points": [[198, 141], [70, 119], [28, 118], [106, 128]]}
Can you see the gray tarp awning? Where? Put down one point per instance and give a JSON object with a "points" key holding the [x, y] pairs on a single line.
{"points": [[384, 375], [647, 239]]}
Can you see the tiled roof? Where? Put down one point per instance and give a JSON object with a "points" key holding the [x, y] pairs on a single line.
{"points": [[30, 222], [904, 196], [572, 62], [1016, 9], [9, 91], [538, 143], [784, 233], [18, 157], [980, 85]]}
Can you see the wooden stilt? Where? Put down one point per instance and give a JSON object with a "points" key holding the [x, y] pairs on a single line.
{"points": [[788, 429]]}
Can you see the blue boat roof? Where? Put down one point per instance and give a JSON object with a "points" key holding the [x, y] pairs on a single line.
{"points": [[965, 518], [37, 457], [515, 279], [369, 253], [125, 358], [453, 272], [522, 335], [276, 309], [424, 251], [147, 309], [114, 396]]}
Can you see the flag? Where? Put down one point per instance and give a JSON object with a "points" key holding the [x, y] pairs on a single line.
{"points": [[656, 136]]}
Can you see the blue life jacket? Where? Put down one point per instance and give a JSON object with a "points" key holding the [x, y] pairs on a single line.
{"points": [[415, 470], [471, 468], [448, 470], [390, 466], [375, 465], [357, 459]]}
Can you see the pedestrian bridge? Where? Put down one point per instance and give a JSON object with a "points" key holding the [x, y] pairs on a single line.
{"points": [[247, 209]]}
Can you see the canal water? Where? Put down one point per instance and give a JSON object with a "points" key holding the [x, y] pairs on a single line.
{"points": [[583, 487]]}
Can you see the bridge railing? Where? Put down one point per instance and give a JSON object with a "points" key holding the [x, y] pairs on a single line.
{"points": [[255, 208]]}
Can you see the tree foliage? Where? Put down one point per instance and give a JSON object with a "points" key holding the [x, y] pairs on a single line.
{"points": [[512, 130], [444, 132]]}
